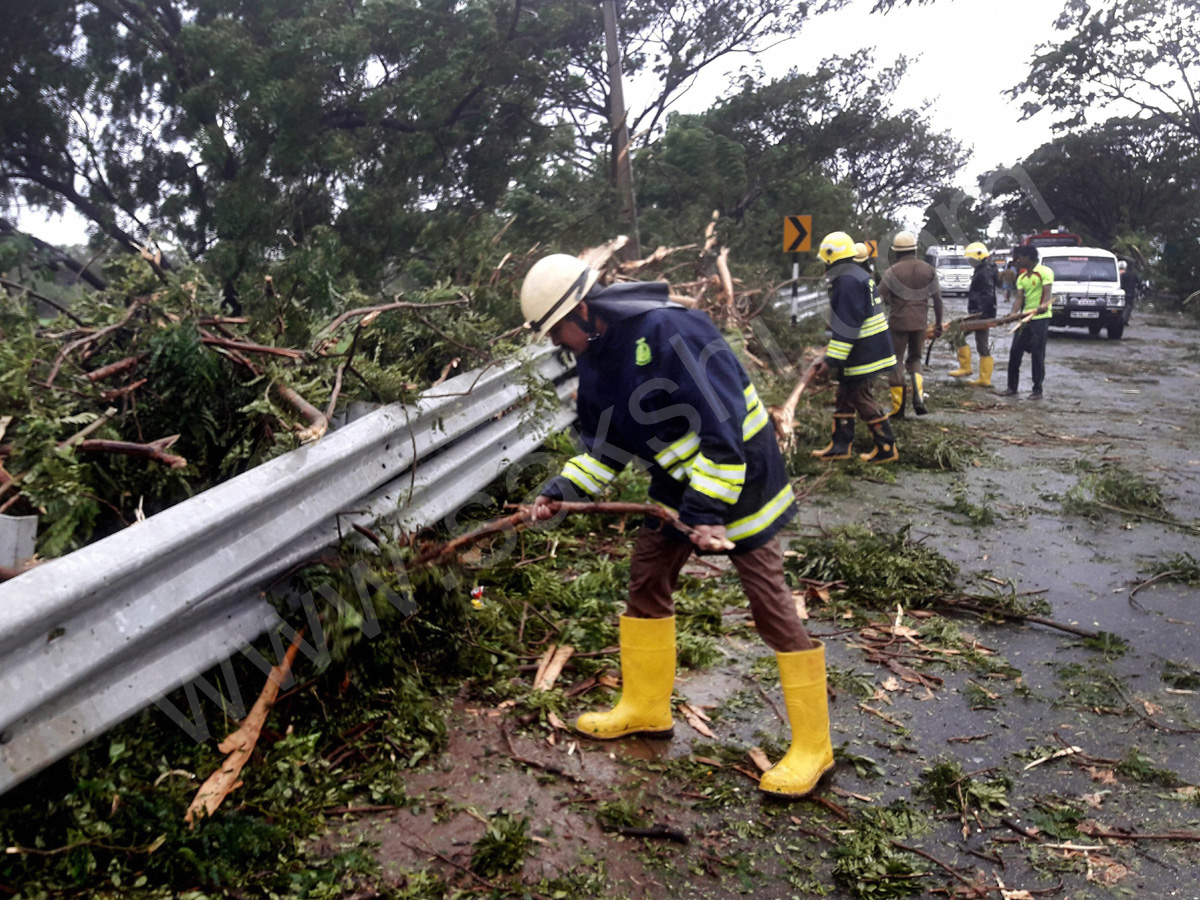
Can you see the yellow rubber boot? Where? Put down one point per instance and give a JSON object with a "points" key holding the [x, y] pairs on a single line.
{"points": [[647, 679], [985, 372], [802, 675], [897, 402], [964, 362]]}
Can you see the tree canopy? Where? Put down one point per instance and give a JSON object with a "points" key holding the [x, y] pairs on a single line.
{"points": [[1142, 56]]}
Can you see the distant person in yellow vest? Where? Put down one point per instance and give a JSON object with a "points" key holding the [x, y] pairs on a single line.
{"points": [[908, 285], [1033, 296]]}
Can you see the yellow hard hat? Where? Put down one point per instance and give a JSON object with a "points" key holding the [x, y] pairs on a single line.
{"points": [[554, 286], [904, 240], [861, 253], [976, 251], [836, 245]]}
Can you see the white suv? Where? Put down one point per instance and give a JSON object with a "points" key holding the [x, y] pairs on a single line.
{"points": [[1087, 290], [954, 270]]}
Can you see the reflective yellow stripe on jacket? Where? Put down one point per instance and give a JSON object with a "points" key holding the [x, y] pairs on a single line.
{"points": [[588, 474], [756, 415], [723, 482], [761, 520]]}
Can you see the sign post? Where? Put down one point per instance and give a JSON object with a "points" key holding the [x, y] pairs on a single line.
{"points": [[797, 239]]}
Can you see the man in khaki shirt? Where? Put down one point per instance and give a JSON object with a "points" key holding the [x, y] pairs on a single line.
{"points": [[906, 289]]}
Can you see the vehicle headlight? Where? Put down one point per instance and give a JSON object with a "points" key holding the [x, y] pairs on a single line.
{"points": [[1116, 300]]}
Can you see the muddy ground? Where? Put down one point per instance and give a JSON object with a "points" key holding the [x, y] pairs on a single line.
{"points": [[1132, 403]]}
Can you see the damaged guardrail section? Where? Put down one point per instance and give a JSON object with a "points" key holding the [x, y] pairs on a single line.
{"points": [[91, 638]]}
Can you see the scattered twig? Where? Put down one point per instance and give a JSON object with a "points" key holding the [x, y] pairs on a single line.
{"points": [[1147, 718], [657, 831], [1122, 836], [933, 859], [387, 307]]}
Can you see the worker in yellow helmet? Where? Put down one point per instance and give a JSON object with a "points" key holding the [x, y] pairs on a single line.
{"points": [[981, 300], [862, 256], [858, 348]]}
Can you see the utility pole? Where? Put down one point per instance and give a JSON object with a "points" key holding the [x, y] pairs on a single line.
{"points": [[622, 160]]}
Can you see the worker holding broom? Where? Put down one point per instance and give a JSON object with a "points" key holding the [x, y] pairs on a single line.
{"points": [[659, 383]]}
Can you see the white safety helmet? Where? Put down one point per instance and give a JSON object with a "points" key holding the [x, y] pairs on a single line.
{"points": [[904, 240], [554, 286]]}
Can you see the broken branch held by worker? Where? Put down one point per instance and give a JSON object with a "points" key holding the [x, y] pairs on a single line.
{"points": [[658, 383]]}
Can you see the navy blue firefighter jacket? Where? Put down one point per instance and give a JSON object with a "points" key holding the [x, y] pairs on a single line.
{"points": [[859, 345], [663, 386]]}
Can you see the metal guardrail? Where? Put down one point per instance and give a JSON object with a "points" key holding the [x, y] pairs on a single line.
{"points": [[91, 638], [807, 303]]}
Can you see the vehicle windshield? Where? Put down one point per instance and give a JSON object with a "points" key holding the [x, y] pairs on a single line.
{"points": [[953, 262], [1082, 268]]}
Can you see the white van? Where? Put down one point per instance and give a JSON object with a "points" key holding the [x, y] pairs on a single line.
{"points": [[1087, 290], [954, 270]]}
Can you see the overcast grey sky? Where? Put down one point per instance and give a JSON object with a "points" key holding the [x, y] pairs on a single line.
{"points": [[965, 54]]}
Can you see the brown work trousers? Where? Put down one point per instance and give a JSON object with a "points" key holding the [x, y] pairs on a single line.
{"points": [[908, 347], [855, 397], [654, 572]]}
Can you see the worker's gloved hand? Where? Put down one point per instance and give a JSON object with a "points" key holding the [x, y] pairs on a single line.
{"points": [[937, 331], [820, 368], [711, 537], [544, 508]]}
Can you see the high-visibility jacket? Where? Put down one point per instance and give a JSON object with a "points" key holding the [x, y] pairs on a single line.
{"points": [[859, 345], [665, 388], [1030, 283]]}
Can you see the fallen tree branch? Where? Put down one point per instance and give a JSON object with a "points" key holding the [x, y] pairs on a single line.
{"points": [[9, 572], [1018, 617], [242, 347], [318, 424], [92, 338], [155, 450], [387, 307], [117, 393], [240, 744], [524, 517], [13, 286], [116, 368], [784, 417]]}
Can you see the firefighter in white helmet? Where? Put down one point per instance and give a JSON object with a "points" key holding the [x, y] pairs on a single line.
{"points": [[659, 383]]}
